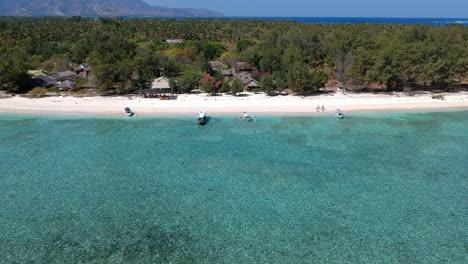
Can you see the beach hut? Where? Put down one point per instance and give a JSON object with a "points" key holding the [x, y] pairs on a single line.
{"points": [[161, 85], [217, 65], [242, 67], [43, 81], [82, 68], [226, 73], [63, 76], [251, 84]]}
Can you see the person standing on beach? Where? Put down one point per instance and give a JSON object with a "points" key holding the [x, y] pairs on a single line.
{"points": [[323, 108]]}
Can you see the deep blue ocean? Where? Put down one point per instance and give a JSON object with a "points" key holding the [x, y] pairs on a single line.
{"points": [[371, 188], [378, 20], [360, 20]]}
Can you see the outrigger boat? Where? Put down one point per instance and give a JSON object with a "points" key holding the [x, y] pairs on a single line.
{"points": [[339, 114], [201, 118], [246, 117], [129, 112]]}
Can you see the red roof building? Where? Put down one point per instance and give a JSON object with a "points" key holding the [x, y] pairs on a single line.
{"points": [[206, 78]]}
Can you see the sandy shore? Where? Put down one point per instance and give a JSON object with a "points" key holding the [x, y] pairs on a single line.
{"points": [[252, 103]]}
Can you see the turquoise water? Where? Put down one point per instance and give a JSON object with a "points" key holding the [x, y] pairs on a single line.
{"points": [[383, 188]]}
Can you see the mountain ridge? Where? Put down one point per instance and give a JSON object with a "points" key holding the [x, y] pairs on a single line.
{"points": [[101, 7]]}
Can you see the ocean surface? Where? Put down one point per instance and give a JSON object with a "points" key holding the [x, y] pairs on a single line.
{"points": [[372, 188], [372, 20]]}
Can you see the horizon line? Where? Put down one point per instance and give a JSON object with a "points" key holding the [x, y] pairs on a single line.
{"points": [[346, 17]]}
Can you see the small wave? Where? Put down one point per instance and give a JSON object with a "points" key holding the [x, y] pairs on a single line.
{"points": [[462, 22]]}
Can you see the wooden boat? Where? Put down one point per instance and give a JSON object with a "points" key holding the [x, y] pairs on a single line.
{"points": [[129, 112], [339, 114], [202, 118]]}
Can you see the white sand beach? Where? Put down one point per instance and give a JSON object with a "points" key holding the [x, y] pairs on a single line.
{"points": [[190, 104]]}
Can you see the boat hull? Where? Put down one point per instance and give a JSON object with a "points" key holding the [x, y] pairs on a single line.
{"points": [[201, 122]]}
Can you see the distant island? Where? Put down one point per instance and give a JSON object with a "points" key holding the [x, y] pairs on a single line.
{"points": [[89, 8]]}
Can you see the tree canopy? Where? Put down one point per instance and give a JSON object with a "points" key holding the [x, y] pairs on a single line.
{"points": [[301, 57]]}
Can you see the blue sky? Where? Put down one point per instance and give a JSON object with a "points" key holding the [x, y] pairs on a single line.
{"points": [[339, 8]]}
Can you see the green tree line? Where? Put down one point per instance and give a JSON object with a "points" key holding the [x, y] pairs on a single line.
{"points": [[126, 54]]}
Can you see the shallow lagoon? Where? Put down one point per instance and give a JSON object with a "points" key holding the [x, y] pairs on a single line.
{"points": [[372, 188]]}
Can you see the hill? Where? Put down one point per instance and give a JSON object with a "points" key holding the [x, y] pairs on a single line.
{"points": [[101, 7]]}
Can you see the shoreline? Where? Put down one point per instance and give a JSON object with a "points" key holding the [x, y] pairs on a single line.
{"points": [[256, 104], [233, 113]]}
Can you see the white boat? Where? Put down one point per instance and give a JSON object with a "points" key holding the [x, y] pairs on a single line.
{"points": [[339, 114], [246, 117], [202, 118]]}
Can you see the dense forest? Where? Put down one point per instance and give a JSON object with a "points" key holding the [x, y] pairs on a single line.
{"points": [[127, 54]]}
